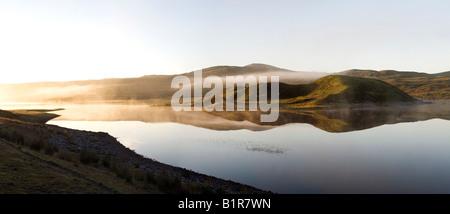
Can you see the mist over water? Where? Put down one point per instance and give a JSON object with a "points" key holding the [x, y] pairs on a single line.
{"points": [[148, 89]]}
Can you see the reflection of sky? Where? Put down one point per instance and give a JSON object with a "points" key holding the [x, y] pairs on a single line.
{"points": [[405, 157]]}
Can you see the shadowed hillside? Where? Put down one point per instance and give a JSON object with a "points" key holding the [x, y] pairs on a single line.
{"points": [[418, 85], [335, 90], [329, 91]]}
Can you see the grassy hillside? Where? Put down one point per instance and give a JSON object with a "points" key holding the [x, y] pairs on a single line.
{"points": [[26, 170], [29, 163], [329, 91], [343, 90], [418, 85]]}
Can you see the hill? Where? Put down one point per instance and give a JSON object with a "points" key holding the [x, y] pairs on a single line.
{"points": [[444, 74], [154, 88], [331, 91], [419, 85], [335, 90], [287, 76]]}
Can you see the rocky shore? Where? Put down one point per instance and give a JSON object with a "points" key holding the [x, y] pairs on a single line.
{"points": [[103, 143]]}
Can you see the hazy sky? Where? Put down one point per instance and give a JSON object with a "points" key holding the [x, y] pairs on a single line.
{"points": [[84, 39]]}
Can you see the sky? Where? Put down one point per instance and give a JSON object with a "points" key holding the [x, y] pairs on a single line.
{"points": [[60, 40]]}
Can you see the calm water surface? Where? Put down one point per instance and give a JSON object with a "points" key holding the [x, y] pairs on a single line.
{"points": [[406, 157], [299, 158]]}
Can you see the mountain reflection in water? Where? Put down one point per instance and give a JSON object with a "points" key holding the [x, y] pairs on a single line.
{"points": [[330, 120]]}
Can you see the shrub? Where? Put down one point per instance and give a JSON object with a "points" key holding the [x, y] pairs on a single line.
{"points": [[129, 179], [17, 137], [50, 149], [88, 157], [150, 178], [106, 161], [139, 175], [207, 190], [55, 148], [37, 144], [67, 156], [123, 172], [4, 134], [169, 185], [186, 174], [221, 190]]}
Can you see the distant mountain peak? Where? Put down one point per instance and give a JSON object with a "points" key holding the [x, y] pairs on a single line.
{"points": [[261, 66], [355, 69]]}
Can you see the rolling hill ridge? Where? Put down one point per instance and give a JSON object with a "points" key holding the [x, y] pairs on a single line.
{"points": [[418, 85], [330, 91], [156, 90], [343, 90]]}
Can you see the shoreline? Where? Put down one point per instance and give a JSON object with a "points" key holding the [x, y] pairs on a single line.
{"points": [[102, 142], [33, 122]]}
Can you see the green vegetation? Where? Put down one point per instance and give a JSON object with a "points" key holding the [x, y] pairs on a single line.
{"points": [[345, 89], [338, 90], [329, 91], [418, 85], [35, 144], [88, 157], [21, 171]]}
